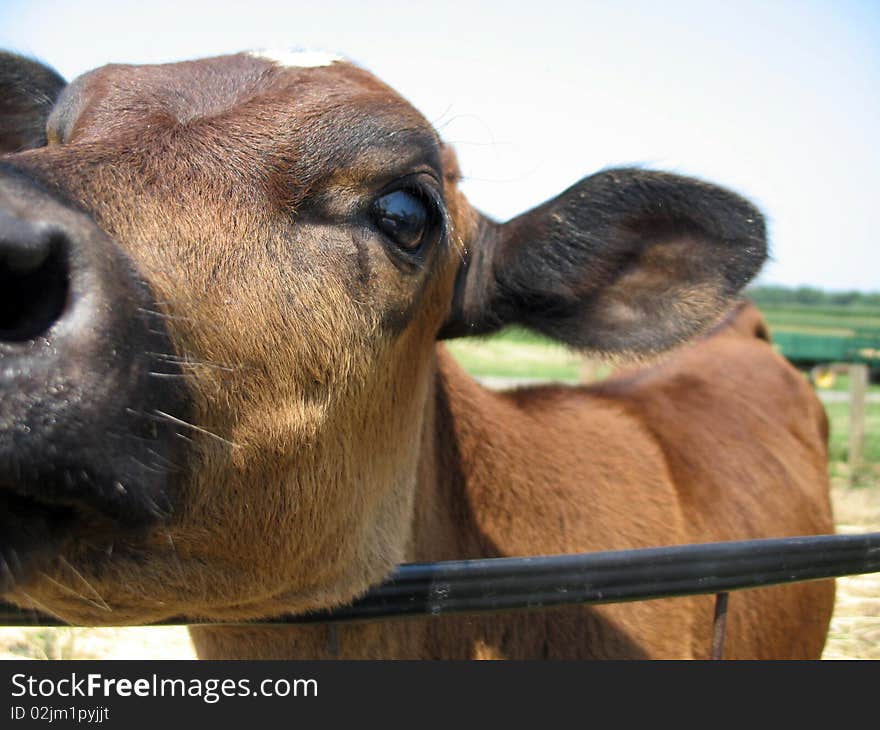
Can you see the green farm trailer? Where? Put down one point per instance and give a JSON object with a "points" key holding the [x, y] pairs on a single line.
{"points": [[810, 350]]}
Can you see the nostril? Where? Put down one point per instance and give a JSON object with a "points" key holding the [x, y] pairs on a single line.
{"points": [[34, 280]]}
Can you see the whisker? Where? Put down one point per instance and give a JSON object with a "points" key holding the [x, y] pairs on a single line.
{"points": [[189, 362], [194, 427], [5, 570], [157, 469], [174, 551], [43, 608], [86, 583], [73, 592], [162, 460], [436, 122], [470, 143], [162, 315]]}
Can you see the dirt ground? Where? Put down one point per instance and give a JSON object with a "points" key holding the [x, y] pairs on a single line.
{"points": [[855, 627]]}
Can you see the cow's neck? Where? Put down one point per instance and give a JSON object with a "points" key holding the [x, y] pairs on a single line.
{"points": [[461, 430], [445, 526]]}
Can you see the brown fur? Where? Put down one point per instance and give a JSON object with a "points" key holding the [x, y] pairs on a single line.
{"points": [[636, 461], [336, 439]]}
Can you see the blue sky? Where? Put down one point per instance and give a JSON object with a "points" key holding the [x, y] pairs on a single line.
{"points": [[778, 100]]}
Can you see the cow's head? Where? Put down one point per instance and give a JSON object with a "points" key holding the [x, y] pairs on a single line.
{"points": [[221, 285]]}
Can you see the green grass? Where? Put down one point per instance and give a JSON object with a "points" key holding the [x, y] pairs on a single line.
{"points": [[838, 414], [519, 354], [516, 353], [841, 382]]}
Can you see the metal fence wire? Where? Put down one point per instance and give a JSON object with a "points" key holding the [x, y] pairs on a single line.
{"points": [[502, 584]]}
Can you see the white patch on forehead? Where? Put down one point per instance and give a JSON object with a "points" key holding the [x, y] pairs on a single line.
{"points": [[297, 59]]}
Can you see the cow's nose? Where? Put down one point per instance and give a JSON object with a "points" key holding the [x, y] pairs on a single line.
{"points": [[34, 279]]}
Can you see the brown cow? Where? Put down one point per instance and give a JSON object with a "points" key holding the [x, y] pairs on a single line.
{"points": [[222, 284]]}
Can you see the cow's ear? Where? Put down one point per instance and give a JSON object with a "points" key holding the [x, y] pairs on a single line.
{"points": [[28, 91], [626, 260]]}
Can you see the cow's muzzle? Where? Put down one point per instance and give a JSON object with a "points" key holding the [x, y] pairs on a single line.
{"points": [[89, 385]]}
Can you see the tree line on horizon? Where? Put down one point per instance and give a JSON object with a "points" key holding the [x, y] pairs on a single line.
{"points": [[809, 296]]}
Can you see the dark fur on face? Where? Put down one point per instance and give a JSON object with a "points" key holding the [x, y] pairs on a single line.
{"points": [[29, 90]]}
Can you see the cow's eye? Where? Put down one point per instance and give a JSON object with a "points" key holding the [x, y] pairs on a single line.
{"points": [[404, 217]]}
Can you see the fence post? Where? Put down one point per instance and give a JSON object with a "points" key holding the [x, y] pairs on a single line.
{"points": [[858, 387]]}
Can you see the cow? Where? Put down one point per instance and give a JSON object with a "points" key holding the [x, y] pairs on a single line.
{"points": [[224, 394]]}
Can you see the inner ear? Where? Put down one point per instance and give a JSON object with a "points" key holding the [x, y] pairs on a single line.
{"points": [[28, 91], [625, 260], [659, 295]]}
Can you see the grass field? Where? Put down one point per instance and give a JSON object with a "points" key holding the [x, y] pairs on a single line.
{"points": [[517, 353], [821, 318], [838, 415]]}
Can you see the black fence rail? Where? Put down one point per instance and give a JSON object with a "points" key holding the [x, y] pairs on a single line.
{"points": [[502, 584]]}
